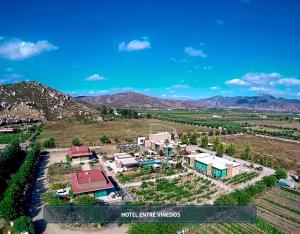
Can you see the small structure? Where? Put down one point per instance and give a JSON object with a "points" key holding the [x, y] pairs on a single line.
{"points": [[126, 161], [141, 141], [158, 137], [286, 183], [92, 182], [213, 166], [7, 130], [80, 153]]}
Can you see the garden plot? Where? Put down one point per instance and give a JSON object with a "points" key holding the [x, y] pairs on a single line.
{"points": [[240, 178], [185, 189], [260, 227], [147, 173], [281, 208]]}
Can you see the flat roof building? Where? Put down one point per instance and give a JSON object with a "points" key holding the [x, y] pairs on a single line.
{"points": [[214, 166], [124, 160]]}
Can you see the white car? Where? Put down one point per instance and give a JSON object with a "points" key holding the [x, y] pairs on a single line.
{"points": [[62, 192]]}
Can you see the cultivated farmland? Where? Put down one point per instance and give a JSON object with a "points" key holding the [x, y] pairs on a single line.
{"points": [[187, 189], [281, 208]]}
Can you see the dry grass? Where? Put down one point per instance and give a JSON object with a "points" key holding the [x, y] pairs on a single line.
{"points": [[286, 154], [63, 132]]}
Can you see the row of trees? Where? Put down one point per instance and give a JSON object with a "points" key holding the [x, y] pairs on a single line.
{"points": [[14, 199], [227, 127], [10, 160]]}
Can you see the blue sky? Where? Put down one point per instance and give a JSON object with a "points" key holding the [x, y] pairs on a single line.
{"points": [[172, 49]]}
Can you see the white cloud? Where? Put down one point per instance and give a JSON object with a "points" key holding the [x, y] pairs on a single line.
{"points": [[288, 82], [214, 88], [181, 86], [220, 22], [16, 49], [190, 51], [238, 82], [135, 45], [95, 77], [259, 89], [259, 79]]}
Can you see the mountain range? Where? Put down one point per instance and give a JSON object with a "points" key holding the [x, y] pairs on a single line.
{"points": [[32, 101], [138, 100]]}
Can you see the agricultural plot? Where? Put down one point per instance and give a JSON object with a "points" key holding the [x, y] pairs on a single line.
{"points": [[260, 227], [240, 178], [281, 208], [147, 173], [285, 154], [187, 189]]}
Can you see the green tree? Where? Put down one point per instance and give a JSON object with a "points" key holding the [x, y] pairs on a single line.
{"points": [[148, 116], [193, 138], [281, 173], [220, 150], [49, 143], [230, 149], [184, 139], [85, 200], [76, 141], [24, 224], [204, 142], [216, 143], [105, 140], [167, 142], [247, 153]]}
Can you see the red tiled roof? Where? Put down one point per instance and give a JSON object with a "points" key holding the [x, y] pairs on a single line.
{"points": [[89, 181], [79, 150]]}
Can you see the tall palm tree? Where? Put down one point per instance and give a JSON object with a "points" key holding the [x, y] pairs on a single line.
{"points": [[178, 150]]}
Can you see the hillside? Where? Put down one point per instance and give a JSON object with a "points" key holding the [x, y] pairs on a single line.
{"points": [[32, 101], [132, 99], [261, 102]]}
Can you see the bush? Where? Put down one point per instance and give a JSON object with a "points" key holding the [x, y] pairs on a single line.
{"points": [[24, 224], [76, 141], [280, 173], [56, 186], [270, 180], [49, 143], [105, 140]]}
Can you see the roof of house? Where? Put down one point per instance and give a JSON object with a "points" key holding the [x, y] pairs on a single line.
{"points": [[79, 151], [216, 162], [89, 181]]}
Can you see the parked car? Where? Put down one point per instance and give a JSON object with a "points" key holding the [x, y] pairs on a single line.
{"points": [[62, 192]]}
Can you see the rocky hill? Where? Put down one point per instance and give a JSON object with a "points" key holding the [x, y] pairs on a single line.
{"points": [[32, 101]]}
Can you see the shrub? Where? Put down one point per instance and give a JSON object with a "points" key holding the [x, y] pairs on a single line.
{"points": [[270, 180], [76, 141], [49, 143], [24, 224], [105, 140], [56, 186], [280, 173]]}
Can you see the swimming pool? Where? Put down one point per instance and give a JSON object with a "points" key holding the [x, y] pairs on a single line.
{"points": [[149, 163]]}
